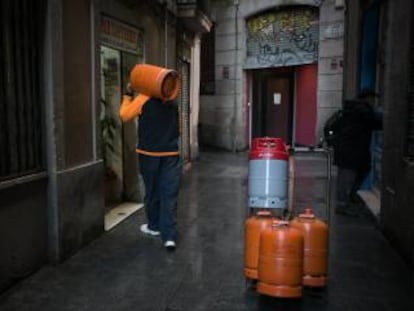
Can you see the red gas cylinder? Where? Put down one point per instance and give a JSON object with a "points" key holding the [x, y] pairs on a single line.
{"points": [[268, 168], [280, 261], [315, 263], [268, 144], [253, 228]]}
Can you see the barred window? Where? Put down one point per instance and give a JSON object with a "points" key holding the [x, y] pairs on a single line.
{"points": [[208, 63], [20, 106]]}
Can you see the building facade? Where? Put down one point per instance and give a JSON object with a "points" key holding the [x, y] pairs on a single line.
{"points": [[277, 71], [383, 30], [64, 154]]}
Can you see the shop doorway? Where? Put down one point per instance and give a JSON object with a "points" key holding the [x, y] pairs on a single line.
{"points": [[283, 104], [118, 140], [111, 126], [122, 46], [272, 109]]}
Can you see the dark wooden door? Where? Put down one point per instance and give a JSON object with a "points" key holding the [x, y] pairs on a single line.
{"points": [[272, 103], [278, 103]]}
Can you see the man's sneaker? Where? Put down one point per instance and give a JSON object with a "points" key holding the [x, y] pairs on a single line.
{"points": [[170, 245], [144, 229]]}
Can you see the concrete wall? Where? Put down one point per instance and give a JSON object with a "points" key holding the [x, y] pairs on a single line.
{"points": [[330, 63], [75, 203], [23, 200], [23, 228], [48, 216], [223, 115], [397, 200]]}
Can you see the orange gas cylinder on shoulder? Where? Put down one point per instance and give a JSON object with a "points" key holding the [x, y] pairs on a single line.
{"points": [[280, 267], [154, 81], [315, 262], [253, 228]]}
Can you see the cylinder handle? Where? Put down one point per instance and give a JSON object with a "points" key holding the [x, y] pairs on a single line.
{"points": [[308, 213]]}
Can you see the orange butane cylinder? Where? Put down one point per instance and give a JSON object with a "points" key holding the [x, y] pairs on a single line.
{"points": [[280, 261], [315, 262], [253, 228], [155, 81]]}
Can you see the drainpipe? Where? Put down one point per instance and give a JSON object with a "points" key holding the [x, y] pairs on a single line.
{"points": [[93, 81], [166, 34], [235, 118]]}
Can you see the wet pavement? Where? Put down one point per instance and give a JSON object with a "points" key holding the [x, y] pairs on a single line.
{"points": [[124, 270]]}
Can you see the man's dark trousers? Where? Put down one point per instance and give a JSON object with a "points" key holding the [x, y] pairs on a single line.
{"points": [[161, 177]]}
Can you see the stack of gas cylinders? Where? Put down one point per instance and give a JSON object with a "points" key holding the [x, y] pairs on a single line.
{"points": [[281, 255]]}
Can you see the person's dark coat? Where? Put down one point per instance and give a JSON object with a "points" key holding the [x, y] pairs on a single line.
{"points": [[352, 135]]}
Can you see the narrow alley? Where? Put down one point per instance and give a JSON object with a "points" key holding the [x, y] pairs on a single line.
{"points": [[124, 270]]}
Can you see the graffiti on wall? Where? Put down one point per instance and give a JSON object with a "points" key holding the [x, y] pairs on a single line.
{"points": [[283, 38]]}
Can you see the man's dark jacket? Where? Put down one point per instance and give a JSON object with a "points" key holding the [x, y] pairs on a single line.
{"points": [[352, 133]]}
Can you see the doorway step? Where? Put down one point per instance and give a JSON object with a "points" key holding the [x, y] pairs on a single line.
{"points": [[372, 201], [119, 213]]}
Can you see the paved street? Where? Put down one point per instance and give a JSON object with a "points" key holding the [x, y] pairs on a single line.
{"points": [[124, 270]]}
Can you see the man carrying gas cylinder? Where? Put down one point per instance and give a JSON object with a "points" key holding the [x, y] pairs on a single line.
{"points": [[157, 148]]}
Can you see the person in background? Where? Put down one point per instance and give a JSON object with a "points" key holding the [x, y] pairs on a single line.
{"points": [[159, 161], [350, 136]]}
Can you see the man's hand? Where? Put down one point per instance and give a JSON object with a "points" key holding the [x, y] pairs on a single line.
{"points": [[129, 90]]}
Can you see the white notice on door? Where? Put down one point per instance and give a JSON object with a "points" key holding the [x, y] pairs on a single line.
{"points": [[277, 98]]}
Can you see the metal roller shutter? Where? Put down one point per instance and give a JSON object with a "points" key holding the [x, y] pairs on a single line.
{"points": [[20, 108], [184, 104], [283, 37]]}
